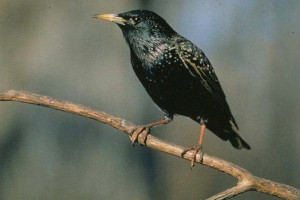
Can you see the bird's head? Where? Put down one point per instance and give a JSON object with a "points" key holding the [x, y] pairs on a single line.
{"points": [[140, 27]]}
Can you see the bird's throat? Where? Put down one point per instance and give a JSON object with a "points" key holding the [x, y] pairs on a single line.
{"points": [[147, 48]]}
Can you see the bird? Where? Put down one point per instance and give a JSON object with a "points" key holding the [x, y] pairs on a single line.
{"points": [[178, 77]]}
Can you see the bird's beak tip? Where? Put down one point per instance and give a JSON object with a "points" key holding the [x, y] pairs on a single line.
{"points": [[95, 16], [110, 17], [101, 16]]}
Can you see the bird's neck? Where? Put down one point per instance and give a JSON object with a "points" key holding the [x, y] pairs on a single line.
{"points": [[147, 48]]}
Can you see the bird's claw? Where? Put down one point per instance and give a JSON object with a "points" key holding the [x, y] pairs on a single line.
{"points": [[195, 150], [137, 132]]}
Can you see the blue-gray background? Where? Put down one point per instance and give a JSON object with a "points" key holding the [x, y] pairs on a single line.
{"points": [[54, 48]]}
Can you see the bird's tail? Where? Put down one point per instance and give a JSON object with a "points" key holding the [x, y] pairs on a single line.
{"points": [[227, 130], [234, 137]]}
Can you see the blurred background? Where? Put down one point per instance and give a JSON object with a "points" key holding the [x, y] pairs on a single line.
{"points": [[55, 48]]}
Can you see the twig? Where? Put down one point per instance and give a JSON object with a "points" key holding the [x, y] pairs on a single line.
{"points": [[245, 180]]}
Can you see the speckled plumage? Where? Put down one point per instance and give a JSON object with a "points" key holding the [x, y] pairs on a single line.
{"points": [[177, 75]]}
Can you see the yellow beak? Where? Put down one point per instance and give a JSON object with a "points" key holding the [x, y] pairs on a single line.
{"points": [[111, 17]]}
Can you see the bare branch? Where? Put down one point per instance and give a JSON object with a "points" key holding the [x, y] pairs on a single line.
{"points": [[245, 180], [238, 189]]}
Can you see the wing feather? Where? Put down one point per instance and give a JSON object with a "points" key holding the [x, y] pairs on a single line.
{"points": [[200, 68]]}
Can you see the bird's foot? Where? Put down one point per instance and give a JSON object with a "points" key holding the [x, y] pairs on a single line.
{"points": [[145, 130], [196, 149]]}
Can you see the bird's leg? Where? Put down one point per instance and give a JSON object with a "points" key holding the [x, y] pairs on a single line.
{"points": [[196, 148], [146, 129]]}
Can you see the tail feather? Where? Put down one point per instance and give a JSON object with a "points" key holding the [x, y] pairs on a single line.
{"points": [[235, 139], [227, 130]]}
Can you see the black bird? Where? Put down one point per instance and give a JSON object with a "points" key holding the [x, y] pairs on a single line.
{"points": [[177, 75]]}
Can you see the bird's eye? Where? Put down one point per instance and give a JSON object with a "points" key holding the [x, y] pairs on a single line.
{"points": [[134, 20]]}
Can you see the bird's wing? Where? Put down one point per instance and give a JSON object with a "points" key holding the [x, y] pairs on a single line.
{"points": [[199, 67]]}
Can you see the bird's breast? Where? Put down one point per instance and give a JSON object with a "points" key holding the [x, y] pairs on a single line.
{"points": [[161, 67], [166, 80]]}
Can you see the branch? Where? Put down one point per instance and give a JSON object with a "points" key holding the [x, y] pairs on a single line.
{"points": [[245, 180]]}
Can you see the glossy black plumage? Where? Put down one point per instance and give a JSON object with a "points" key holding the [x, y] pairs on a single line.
{"points": [[176, 74]]}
